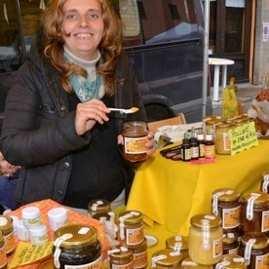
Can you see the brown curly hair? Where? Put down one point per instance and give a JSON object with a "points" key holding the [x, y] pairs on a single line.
{"points": [[110, 45]]}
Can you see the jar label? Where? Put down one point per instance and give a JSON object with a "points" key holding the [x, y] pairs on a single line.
{"points": [[230, 217], [140, 259], [265, 221], [226, 141], [217, 248], [134, 236], [261, 262], [195, 152], [135, 145], [3, 257], [129, 265], [10, 243], [97, 264], [233, 251]]}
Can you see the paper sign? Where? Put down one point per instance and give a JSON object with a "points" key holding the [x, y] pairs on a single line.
{"points": [[243, 137], [26, 253]]}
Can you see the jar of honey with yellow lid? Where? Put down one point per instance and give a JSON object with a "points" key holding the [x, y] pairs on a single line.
{"points": [[131, 228], [77, 246], [226, 205], [166, 258], [99, 209], [205, 239], [222, 139], [231, 262], [140, 255], [121, 258], [230, 243], [255, 212], [178, 243], [255, 250], [3, 255], [6, 227]]}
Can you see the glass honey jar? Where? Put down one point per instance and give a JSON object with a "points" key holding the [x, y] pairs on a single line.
{"points": [[131, 228], [6, 227], [226, 205], [3, 255], [230, 243], [99, 209], [135, 139], [166, 258], [255, 249], [255, 212], [178, 243], [76, 246], [210, 123], [140, 255], [222, 139], [121, 258], [205, 239], [231, 262]]}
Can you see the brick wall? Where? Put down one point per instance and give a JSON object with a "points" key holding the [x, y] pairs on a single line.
{"points": [[261, 61]]}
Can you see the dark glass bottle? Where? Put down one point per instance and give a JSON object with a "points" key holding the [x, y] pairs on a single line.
{"points": [[194, 146], [201, 142], [186, 149]]}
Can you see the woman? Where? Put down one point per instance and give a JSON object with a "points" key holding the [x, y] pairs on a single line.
{"points": [[58, 124]]}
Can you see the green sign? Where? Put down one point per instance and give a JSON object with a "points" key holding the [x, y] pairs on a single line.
{"points": [[243, 137]]}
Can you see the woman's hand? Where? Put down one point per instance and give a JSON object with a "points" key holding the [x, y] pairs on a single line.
{"points": [[88, 113], [6, 168]]}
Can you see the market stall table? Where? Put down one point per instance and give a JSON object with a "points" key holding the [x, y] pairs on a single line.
{"points": [[170, 192]]}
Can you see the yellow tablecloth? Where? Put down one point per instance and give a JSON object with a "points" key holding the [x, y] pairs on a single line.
{"points": [[170, 192]]}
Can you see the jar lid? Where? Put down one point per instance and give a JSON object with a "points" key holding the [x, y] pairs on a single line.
{"points": [[80, 236], [166, 258], [99, 206], [261, 241], [205, 221], [233, 261], [177, 242], [229, 238], [131, 217], [261, 200], [6, 224], [30, 212], [212, 119], [121, 253], [226, 195]]}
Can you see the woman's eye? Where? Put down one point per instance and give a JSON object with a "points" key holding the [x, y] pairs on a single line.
{"points": [[70, 16], [94, 16]]}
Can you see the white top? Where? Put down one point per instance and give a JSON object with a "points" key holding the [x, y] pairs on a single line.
{"points": [[220, 61]]}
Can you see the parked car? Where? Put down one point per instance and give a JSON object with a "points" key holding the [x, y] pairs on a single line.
{"points": [[162, 39]]}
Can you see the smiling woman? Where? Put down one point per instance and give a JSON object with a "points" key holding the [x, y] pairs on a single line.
{"points": [[58, 125]]}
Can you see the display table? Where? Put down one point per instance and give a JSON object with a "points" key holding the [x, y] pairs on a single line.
{"points": [[170, 192]]}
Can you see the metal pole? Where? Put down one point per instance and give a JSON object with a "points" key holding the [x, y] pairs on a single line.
{"points": [[205, 57]]}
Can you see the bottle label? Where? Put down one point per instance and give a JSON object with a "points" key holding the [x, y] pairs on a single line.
{"points": [[135, 145], [3, 257], [210, 151], [195, 152], [261, 262], [230, 217], [217, 248], [265, 221], [129, 265], [140, 259], [134, 236], [202, 150], [97, 264], [187, 154]]}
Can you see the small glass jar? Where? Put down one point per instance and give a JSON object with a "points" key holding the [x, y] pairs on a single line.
{"points": [[6, 227], [57, 217], [222, 139], [205, 239], [140, 255], [31, 216], [76, 246], [225, 204], [3, 255], [99, 209], [178, 243], [230, 243], [210, 123], [188, 263], [166, 258], [131, 228], [135, 139], [38, 234], [255, 249], [121, 258], [231, 262], [265, 182], [255, 212]]}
